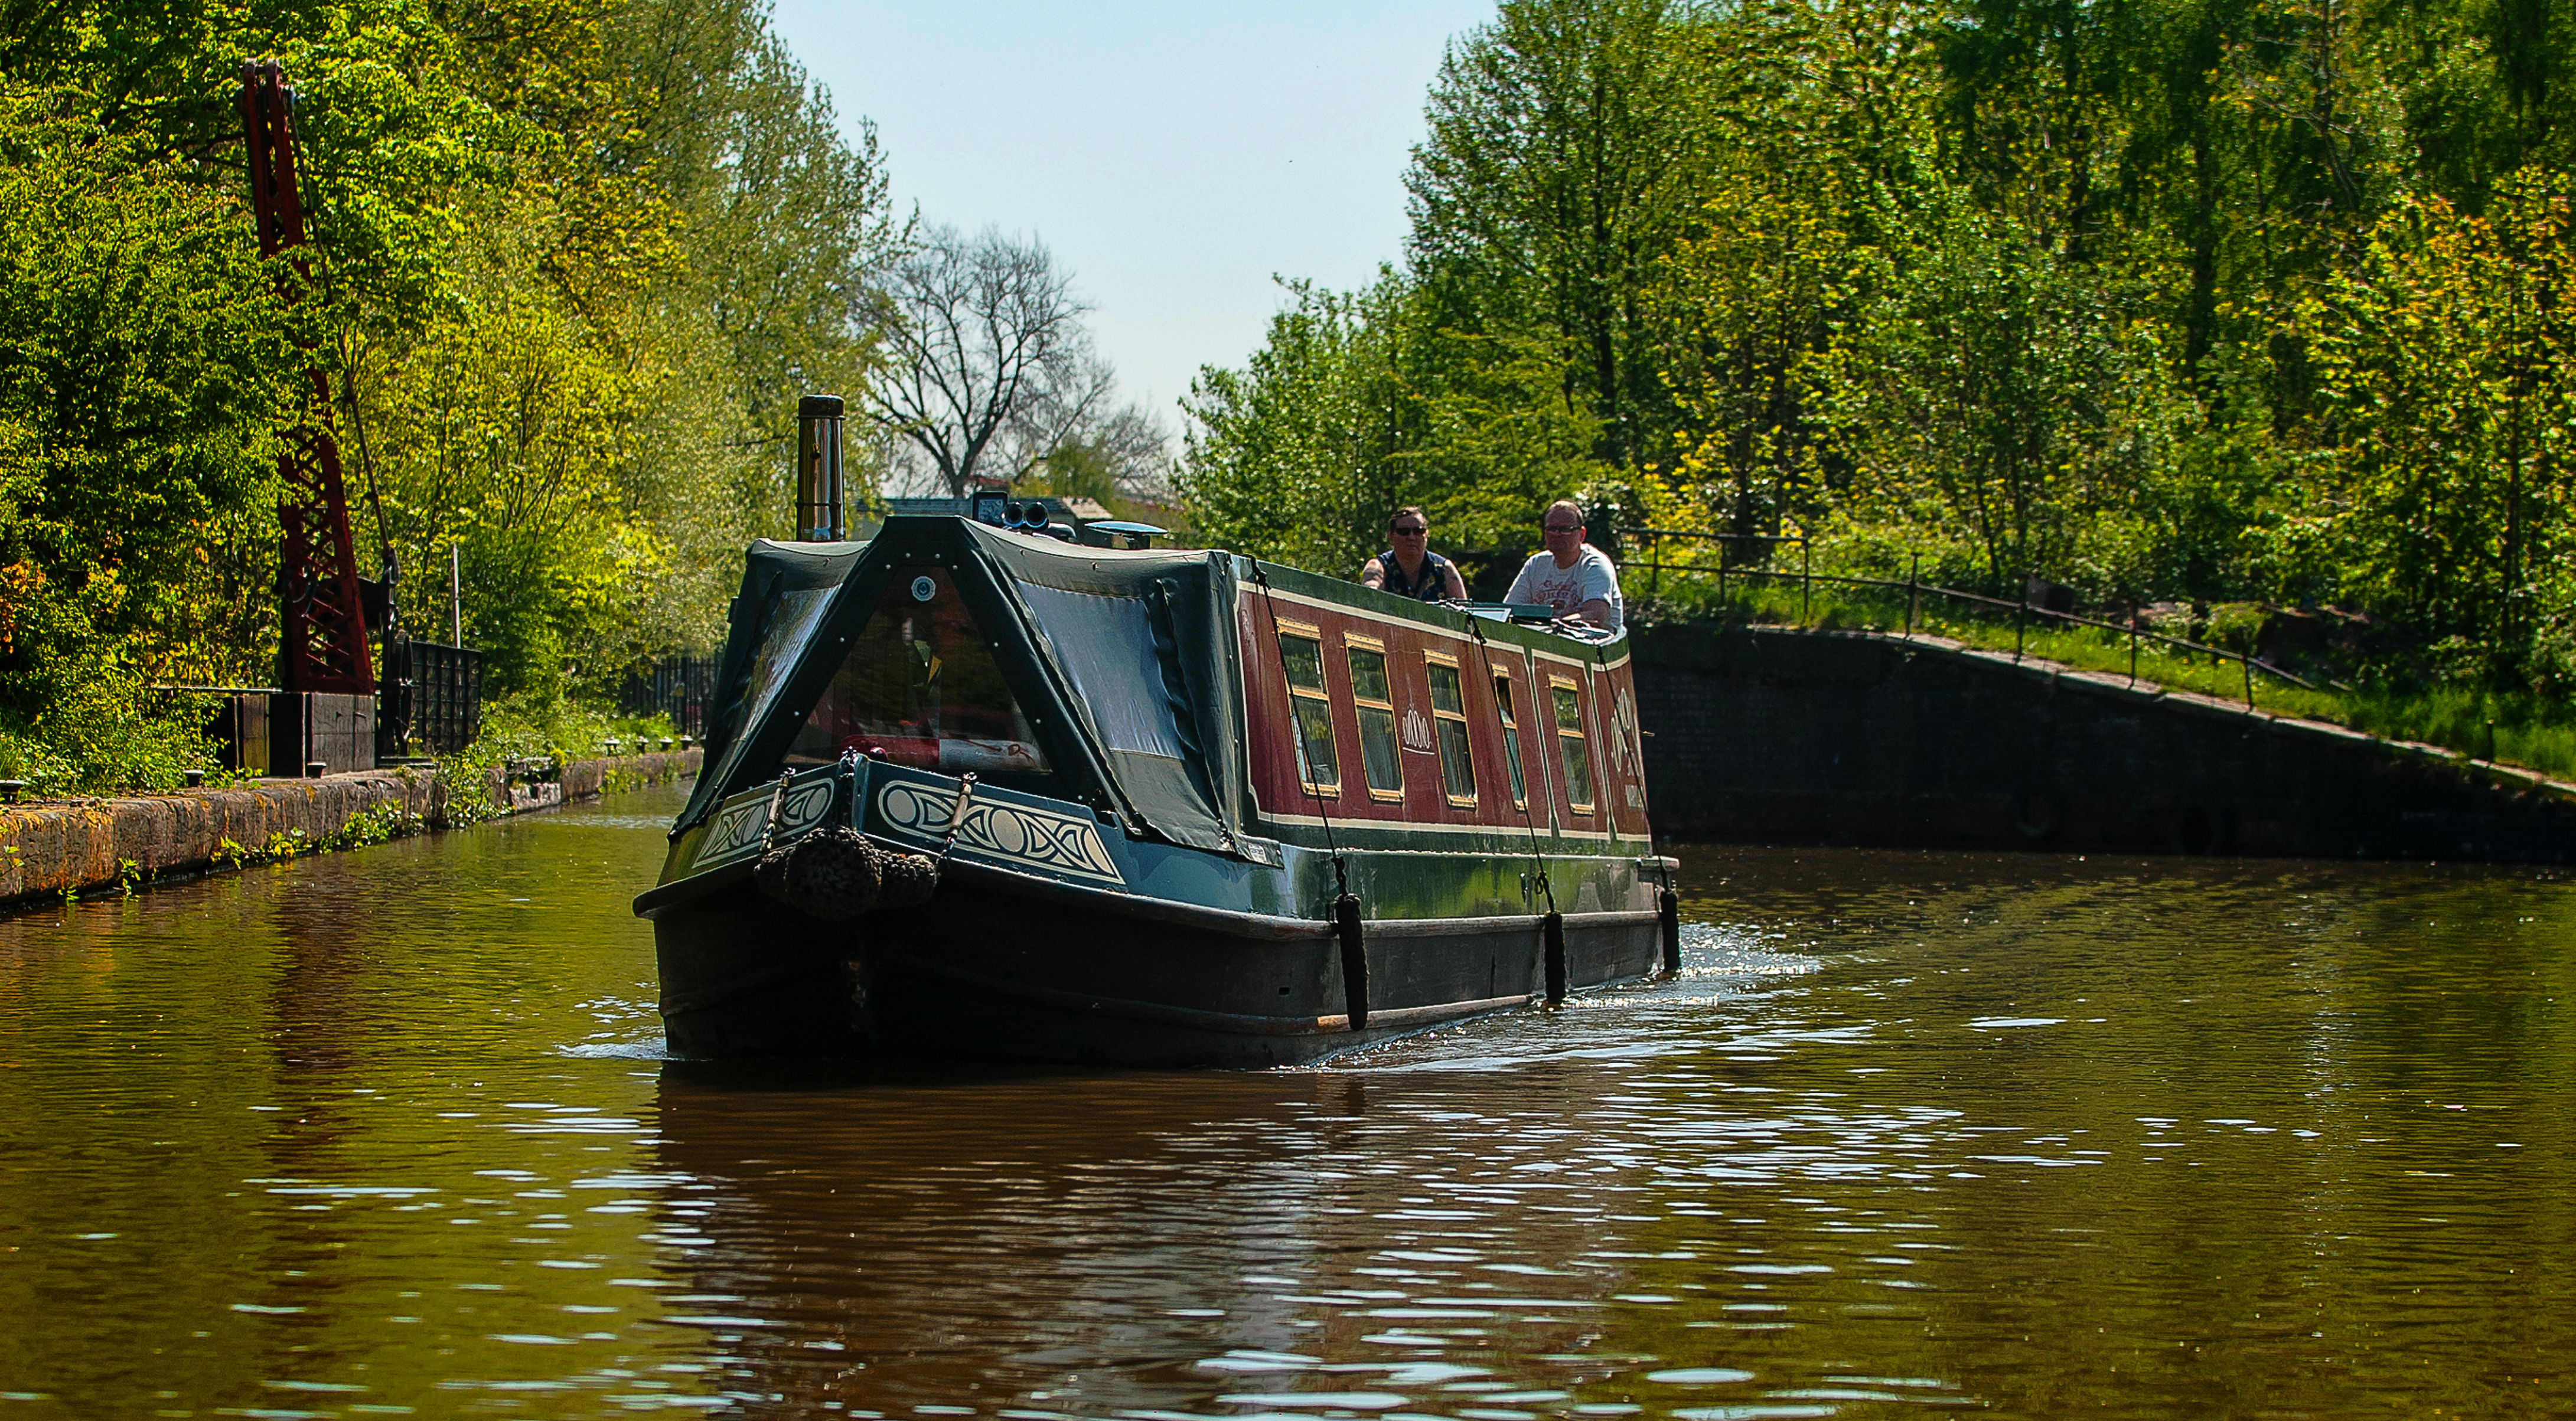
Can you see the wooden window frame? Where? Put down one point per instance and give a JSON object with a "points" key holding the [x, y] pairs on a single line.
{"points": [[1582, 734], [1515, 774], [1321, 789], [1466, 738], [1375, 646]]}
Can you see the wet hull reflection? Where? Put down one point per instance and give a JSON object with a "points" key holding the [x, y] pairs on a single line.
{"points": [[1075, 1242]]}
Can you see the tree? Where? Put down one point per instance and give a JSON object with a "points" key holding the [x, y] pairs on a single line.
{"points": [[2448, 358], [1751, 309], [143, 358], [1988, 391], [1568, 140], [988, 366], [1300, 455], [1125, 456]]}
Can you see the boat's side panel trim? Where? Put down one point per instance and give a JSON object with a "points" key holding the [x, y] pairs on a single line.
{"points": [[1223, 921], [1054, 842], [740, 825]]}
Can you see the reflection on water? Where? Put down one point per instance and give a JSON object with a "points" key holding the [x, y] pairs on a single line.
{"points": [[389, 1134]]}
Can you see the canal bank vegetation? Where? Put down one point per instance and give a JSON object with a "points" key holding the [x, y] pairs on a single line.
{"points": [[572, 266], [2249, 305]]}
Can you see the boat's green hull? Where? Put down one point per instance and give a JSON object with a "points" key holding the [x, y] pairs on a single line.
{"points": [[1001, 964]]}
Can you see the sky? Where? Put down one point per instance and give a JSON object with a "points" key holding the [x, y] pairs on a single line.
{"points": [[1174, 158]]}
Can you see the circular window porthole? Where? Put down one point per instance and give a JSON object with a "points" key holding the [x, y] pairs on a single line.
{"points": [[923, 589]]}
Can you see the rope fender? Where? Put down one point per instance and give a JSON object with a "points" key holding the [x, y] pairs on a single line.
{"points": [[835, 874]]}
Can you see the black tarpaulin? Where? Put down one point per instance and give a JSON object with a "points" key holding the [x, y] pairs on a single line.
{"points": [[1134, 650], [1134, 641], [788, 590]]}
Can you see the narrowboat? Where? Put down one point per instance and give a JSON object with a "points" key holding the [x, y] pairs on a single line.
{"points": [[974, 789]]}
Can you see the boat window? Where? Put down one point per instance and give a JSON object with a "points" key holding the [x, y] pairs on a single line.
{"points": [[1503, 702], [1449, 727], [920, 687], [782, 644], [1301, 652], [1571, 745], [1379, 758]]}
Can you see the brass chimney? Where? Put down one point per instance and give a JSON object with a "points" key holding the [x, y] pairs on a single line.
{"points": [[818, 469]]}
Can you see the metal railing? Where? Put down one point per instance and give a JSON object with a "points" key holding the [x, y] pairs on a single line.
{"points": [[681, 687], [446, 684], [1915, 589]]}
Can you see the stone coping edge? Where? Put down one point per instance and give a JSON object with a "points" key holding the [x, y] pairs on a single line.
{"points": [[2514, 778], [78, 846]]}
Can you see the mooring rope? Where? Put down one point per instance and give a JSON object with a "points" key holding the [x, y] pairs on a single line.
{"points": [[1305, 749], [1476, 627], [1346, 918]]}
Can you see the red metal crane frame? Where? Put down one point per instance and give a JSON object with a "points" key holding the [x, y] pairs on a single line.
{"points": [[324, 624]]}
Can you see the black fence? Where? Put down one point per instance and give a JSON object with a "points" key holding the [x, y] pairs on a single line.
{"points": [[444, 687], [681, 687], [2042, 601]]}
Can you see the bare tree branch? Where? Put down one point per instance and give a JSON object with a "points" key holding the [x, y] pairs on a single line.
{"points": [[988, 364]]}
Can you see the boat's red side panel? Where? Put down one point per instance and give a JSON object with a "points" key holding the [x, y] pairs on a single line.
{"points": [[1606, 699]]}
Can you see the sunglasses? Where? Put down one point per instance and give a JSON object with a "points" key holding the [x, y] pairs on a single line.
{"points": [[1561, 527], [1410, 532]]}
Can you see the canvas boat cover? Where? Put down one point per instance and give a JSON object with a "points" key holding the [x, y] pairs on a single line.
{"points": [[1123, 660]]}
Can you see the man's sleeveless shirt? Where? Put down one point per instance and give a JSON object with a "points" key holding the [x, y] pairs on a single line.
{"points": [[1433, 586]]}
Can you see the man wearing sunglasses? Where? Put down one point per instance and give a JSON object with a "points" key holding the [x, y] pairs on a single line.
{"points": [[1569, 574], [1410, 568]]}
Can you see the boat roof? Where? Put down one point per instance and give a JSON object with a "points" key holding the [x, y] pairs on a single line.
{"points": [[1176, 608]]}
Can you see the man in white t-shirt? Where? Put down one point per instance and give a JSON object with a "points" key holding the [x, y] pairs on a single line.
{"points": [[1571, 575]]}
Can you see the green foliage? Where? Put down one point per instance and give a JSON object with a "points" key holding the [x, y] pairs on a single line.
{"points": [[2217, 301], [526, 727], [1298, 457], [1987, 388], [598, 420], [375, 824], [1568, 146], [2447, 359], [570, 264], [1750, 308]]}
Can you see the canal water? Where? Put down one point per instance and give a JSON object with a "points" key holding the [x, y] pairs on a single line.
{"points": [[389, 1133]]}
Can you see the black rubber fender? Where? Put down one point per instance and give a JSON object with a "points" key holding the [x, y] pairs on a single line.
{"points": [[1355, 970], [1552, 934], [1668, 916]]}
